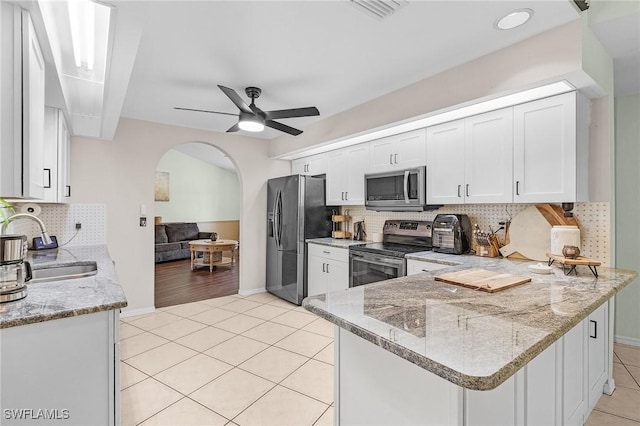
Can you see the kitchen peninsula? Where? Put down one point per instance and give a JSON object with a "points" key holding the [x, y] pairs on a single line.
{"points": [[59, 346], [413, 350]]}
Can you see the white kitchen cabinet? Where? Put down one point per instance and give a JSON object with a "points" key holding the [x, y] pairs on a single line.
{"points": [[470, 160], [546, 157], [22, 106], [573, 375], [597, 349], [345, 175], [445, 163], [417, 266], [327, 269], [57, 141], [403, 151], [69, 366], [488, 157], [310, 166]]}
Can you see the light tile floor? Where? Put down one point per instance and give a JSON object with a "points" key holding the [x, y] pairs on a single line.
{"points": [[234, 360], [259, 360]]}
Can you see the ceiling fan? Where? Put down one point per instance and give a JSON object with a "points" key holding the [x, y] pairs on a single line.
{"points": [[253, 119]]}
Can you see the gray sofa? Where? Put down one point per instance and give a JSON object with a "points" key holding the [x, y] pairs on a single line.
{"points": [[172, 240]]}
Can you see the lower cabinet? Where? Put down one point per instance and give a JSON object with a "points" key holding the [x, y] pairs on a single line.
{"points": [[63, 371], [418, 266], [560, 386], [327, 269]]}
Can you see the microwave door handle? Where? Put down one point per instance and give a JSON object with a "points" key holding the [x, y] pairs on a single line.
{"points": [[406, 186]]}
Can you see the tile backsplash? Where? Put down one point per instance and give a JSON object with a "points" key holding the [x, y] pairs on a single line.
{"points": [[60, 221], [593, 218]]}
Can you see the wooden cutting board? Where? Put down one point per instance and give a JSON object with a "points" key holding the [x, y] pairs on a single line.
{"points": [[481, 279], [529, 235], [555, 215]]}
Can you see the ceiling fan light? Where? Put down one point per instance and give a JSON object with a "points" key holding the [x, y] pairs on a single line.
{"points": [[250, 123], [251, 126]]}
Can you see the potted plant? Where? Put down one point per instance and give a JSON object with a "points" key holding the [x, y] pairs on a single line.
{"points": [[6, 210]]}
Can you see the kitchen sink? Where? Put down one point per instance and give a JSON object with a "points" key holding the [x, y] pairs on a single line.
{"points": [[64, 272]]}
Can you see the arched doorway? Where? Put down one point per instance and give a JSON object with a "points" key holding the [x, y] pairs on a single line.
{"points": [[197, 192]]}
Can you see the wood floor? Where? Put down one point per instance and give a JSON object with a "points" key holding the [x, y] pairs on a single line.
{"points": [[175, 283]]}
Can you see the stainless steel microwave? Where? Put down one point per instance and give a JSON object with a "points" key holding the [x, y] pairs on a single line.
{"points": [[398, 191]]}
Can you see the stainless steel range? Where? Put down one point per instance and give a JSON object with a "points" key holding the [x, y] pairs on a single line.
{"points": [[374, 262]]}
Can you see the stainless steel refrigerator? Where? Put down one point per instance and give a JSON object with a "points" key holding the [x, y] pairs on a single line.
{"points": [[296, 211]]}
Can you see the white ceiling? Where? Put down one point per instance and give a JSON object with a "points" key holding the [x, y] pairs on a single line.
{"points": [[326, 54]]}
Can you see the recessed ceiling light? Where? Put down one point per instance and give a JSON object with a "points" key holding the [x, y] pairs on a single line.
{"points": [[514, 19]]}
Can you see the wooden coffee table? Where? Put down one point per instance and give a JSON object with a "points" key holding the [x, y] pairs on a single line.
{"points": [[214, 249]]}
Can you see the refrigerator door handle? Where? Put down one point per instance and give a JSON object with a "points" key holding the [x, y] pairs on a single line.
{"points": [[279, 219]]}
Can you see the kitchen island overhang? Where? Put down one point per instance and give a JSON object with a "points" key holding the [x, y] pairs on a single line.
{"points": [[539, 313]]}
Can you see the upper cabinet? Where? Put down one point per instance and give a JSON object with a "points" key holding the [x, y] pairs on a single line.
{"points": [[57, 155], [470, 160], [396, 152], [345, 176], [22, 80], [311, 166], [545, 154]]}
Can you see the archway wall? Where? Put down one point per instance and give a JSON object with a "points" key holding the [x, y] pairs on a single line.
{"points": [[120, 174]]}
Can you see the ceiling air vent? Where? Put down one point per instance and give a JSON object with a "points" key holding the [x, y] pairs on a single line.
{"points": [[379, 9]]}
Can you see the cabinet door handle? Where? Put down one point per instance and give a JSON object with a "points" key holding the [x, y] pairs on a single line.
{"points": [[342, 195], [390, 158], [595, 329], [517, 187], [326, 252], [327, 268], [68, 194], [346, 195], [395, 158], [467, 190], [459, 188], [323, 265], [48, 178]]}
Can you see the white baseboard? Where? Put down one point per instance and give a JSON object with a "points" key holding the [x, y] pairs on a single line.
{"points": [[135, 312], [251, 291], [632, 341]]}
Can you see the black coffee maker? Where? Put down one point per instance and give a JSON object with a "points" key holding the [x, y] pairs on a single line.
{"points": [[452, 233]]}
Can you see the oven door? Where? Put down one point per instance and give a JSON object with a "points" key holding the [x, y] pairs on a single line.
{"points": [[365, 268]]}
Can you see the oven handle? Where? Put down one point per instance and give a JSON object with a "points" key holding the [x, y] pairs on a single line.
{"points": [[378, 260], [406, 186]]}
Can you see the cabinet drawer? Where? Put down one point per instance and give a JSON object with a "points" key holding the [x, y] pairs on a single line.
{"points": [[333, 253], [418, 266]]}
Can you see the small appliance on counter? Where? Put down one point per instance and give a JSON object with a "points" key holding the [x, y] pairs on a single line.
{"points": [[451, 233], [14, 270], [358, 231]]}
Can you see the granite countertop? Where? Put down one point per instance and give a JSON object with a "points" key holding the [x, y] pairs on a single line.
{"points": [[66, 298], [474, 339], [334, 242]]}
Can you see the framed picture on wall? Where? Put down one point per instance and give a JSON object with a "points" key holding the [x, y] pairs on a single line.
{"points": [[161, 186]]}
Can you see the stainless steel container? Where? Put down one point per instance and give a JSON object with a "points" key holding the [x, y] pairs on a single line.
{"points": [[13, 249]]}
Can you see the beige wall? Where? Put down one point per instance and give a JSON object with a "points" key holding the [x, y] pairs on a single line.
{"points": [[226, 229], [627, 177], [120, 174], [542, 58]]}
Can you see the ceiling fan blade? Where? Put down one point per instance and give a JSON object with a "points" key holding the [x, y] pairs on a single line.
{"points": [[282, 127], [293, 112], [236, 99], [204, 110], [234, 128]]}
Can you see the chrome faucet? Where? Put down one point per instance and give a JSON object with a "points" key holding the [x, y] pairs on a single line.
{"points": [[45, 237]]}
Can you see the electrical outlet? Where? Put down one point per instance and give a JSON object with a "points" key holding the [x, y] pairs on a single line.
{"points": [[78, 225], [143, 221]]}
